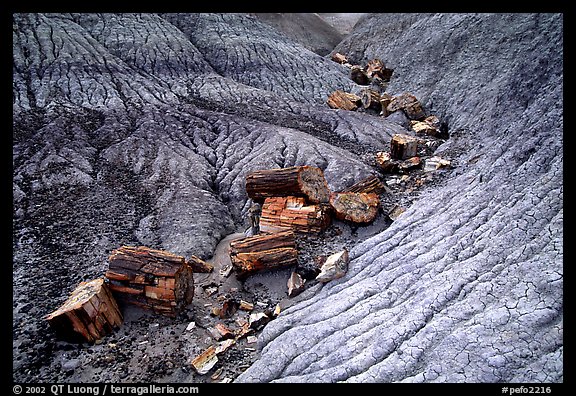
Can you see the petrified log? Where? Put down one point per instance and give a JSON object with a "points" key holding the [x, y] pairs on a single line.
{"points": [[368, 185], [387, 164], [263, 252], [385, 100], [343, 100], [292, 213], [403, 146], [370, 99], [199, 265], [409, 164], [407, 103], [150, 278], [376, 69], [355, 207], [430, 126], [434, 163], [89, 313], [301, 181]]}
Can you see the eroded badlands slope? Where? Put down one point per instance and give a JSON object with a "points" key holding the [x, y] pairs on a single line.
{"points": [[467, 284], [140, 129]]}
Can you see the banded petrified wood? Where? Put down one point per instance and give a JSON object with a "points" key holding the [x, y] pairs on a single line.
{"points": [[263, 252], [302, 181], [150, 278], [343, 100], [368, 185], [283, 213], [370, 99], [88, 314]]}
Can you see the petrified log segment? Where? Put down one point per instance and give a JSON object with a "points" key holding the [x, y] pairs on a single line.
{"points": [[301, 181], [359, 76], [403, 146], [262, 252], [387, 164], [343, 100], [370, 99], [385, 100], [90, 312], [409, 104], [376, 69], [368, 185], [355, 207], [199, 265], [430, 126], [150, 278], [283, 213]]}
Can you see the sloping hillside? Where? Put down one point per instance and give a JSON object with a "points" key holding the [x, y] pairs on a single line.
{"points": [[139, 129], [467, 285]]}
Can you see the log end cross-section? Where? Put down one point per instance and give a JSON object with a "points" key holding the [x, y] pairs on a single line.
{"points": [[355, 207], [301, 181], [89, 314], [150, 278]]}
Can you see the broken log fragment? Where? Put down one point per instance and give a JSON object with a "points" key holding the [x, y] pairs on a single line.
{"points": [[355, 207], [339, 58], [403, 146], [258, 320], [370, 99], [396, 212], [387, 164], [150, 278], [433, 163], [263, 252], [224, 332], [199, 265], [343, 100], [376, 69], [292, 213], [335, 266], [385, 100], [89, 314], [359, 76], [295, 284], [409, 164], [301, 181], [409, 104], [368, 185], [205, 361], [246, 306]]}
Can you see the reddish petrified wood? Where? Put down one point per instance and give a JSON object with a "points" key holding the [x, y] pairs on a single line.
{"points": [[302, 181], [150, 278], [88, 314], [263, 252], [283, 213], [355, 207]]}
